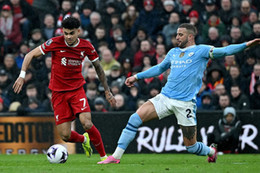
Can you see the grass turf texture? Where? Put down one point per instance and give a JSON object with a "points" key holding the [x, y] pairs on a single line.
{"points": [[131, 163]]}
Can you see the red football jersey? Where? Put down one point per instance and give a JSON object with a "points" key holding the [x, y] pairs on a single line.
{"points": [[67, 62]]}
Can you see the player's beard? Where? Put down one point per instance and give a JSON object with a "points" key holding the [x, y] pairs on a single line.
{"points": [[73, 43], [183, 44]]}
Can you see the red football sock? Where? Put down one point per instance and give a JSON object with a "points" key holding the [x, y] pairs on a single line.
{"points": [[75, 137], [96, 140]]}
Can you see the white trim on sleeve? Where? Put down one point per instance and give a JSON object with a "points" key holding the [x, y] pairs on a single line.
{"points": [[95, 59], [41, 50]]}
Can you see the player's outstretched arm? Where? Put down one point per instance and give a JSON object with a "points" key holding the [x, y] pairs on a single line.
{"points": [[17, 87], [101, 75], [130, 81], [253, 42]]}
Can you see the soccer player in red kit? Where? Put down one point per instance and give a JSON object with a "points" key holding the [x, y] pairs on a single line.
{"points": [[68, 96]]}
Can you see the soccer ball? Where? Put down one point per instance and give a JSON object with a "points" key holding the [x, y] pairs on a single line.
{"points": [[57, 154]]}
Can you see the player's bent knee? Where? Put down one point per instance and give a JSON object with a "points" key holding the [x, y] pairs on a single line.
{"points": [[65, 137], [87, 125]]}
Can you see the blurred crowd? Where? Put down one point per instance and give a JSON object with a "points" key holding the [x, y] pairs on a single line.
{"points": [[130, 36]]}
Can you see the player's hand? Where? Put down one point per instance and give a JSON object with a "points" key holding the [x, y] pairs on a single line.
{"points": [[110, 98], [130, 81], [18, 85], [253, 42]]}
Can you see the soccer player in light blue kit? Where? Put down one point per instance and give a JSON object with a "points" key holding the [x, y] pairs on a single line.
{"points": [[187, 63]]}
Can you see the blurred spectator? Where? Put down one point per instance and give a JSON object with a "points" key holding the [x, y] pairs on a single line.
{"points": [[99, 105], [133, 97], [256, 32], [65, 11], [245, 8], [255, 97], [215, 76], [126, 68], [122, 51], [31, 92], [248, 66], [160, 53], [115, 75], [168, 8], [92, 76], [236, 35], [46, 104], [239, 100], [108, 61], [87, 7], [10, 66], [210, 8], [186, 9], [128, 18], [225, 40], [148, 19], [34, 105], [147, 61], [219, 90], [213, 37], [145, 48], [95, 20], [45, 7], [226, 12], [147, 84], [213, 21], [92, 94], [255, 76], [223, 102], [226, 134], [48, 30], [26, 16], [247, 27], [107, 12], [117, 31], [140, 102], [229, 61], [10, 28], [194, 19], [234, 77], [235, 22], [42, 73], [5, 80], [171, 28], [36, 39], [120, 103], [206, 102], [140, 36], [100, 36]]}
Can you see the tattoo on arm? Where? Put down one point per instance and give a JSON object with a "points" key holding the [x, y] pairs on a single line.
{"points": [[101, 74], [189, 131]]}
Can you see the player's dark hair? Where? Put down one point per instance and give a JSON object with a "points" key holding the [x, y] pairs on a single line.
{"points": [[70, 23], [190, 28]]}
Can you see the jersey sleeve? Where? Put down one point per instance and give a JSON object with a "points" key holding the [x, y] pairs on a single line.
{"points": [[206, 51], [92, 53], [47, 46]]}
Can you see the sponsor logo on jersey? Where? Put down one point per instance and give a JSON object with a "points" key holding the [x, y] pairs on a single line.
{"points": [[48, 42], [72, 62], [180, 64]]}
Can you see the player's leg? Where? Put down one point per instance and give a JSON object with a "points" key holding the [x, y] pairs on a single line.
{"points": [[145, 113], [194, 147], [93, 133], [67, 134], [185, 113]]}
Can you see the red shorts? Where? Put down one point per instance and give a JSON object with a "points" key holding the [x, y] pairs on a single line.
{"points": [[68, 104]]}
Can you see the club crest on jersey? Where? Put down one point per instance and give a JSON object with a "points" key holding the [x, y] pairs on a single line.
{"points": [[190, 54], [48, 43], [181, 55]]}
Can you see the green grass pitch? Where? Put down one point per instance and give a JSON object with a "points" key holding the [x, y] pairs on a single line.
{"points": [[131, 163]]}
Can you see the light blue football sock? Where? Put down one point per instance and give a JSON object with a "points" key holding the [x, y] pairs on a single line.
{"points": [[129, 132], [199, 148]]}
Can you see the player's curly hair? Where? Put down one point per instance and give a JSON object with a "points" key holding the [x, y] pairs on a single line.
{"points": [[190, 28], [71, 23]]}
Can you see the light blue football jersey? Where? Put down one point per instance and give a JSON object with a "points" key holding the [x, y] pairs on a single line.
{"points": [[187, 67]]}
